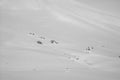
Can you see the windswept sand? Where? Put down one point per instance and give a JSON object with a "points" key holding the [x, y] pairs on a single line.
{"points": [[52, 40]]}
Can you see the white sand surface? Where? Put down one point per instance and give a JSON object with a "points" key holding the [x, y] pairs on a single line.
{"points": [[58, 40]]}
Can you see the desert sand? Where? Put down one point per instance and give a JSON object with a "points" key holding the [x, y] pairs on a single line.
{"points": [[58, 40]]}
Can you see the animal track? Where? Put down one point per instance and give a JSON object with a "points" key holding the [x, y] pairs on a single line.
{"points": [[42, 39]]}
